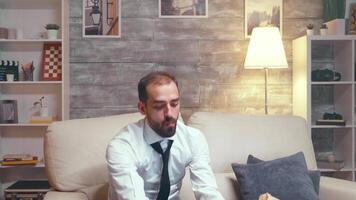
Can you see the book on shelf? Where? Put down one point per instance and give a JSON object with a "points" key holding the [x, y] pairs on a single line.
{"points": [[332, 122], [41, 120], [19, 159], [19, 162], [13, 157], [335, 165]]}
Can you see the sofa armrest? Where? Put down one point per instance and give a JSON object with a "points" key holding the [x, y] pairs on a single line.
{"points": [[332, 188], [54, 195]]}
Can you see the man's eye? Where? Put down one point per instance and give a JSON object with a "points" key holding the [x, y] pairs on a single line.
{"points": [[174, 104], [158, 107]]}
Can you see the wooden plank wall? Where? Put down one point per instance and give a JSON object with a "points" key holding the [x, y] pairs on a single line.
{"points": [[206, 56]]}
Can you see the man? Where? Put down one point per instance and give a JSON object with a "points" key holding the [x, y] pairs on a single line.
{"points": [[147, 159]]}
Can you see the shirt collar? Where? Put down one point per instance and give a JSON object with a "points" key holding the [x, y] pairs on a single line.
{"points": [[151, 136]]}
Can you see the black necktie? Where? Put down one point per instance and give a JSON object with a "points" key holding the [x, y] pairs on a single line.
{"points": [[165, 184]]}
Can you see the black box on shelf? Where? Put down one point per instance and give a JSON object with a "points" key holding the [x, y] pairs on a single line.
{"points": [[331, 122], [27, 190]]}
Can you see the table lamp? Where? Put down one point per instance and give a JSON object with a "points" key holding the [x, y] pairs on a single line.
{"points": [[265, 51]]}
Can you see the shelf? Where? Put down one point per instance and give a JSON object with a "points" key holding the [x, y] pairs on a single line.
{"points": [[28, 40], [24, 125], [331, 37], [333, 170], [28, 18], [331, 82], [39, 165], [29, 82], [331, 126], [312, 99]]}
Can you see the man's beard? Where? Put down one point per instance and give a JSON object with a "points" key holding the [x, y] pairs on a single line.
{"points": [[163, 131]]}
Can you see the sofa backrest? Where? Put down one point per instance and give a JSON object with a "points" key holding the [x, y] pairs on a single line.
{"points": [[232, 137], [75, 150]]}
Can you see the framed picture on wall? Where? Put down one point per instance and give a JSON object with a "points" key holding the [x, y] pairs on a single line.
{"points": [[8, 111], [263, 13], [102, 18], [183, 8]]}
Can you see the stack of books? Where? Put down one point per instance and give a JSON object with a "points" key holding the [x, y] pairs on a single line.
{"points": [[331, 122], [335, 165], [41, 120], [19, 159]]}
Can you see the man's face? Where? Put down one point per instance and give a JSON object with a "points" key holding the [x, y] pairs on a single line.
{"points": [[162, 108]]}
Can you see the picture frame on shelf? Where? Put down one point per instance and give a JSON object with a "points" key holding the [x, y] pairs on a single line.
{"points": [[352, 19], [101, 18], [183, 8], [8, 111], [263, 13], [51, 67], [9, 68], [347, 7]]}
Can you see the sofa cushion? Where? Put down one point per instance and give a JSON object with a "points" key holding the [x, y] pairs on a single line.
{"points": [[226, 182], [74, 150], [54, 195], [313, 174], [284, 178], [232, 137], [97, 192]]}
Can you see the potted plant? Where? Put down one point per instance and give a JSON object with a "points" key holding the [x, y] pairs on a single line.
{"points": [[310, 29], [52, 31], [323, 29]]}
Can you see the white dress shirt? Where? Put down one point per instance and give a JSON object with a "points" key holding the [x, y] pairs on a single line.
{"points": [[135, 167]]}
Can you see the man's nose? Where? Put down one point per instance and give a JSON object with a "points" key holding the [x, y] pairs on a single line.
{"points": [[168, 111]]}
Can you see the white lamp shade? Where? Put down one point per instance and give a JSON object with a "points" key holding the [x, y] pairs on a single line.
{"points": [[265, 49]]}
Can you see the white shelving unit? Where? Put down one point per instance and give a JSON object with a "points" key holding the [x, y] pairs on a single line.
{"points": [[311, 99], [30, 17]]}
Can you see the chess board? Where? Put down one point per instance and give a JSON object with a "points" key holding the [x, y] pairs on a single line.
{"points": [[51, 69]]}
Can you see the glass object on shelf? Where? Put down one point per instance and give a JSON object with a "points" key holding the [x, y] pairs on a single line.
{"points": [[27, 70]]}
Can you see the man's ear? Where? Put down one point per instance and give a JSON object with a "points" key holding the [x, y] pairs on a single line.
{"points": [[141, 107]]}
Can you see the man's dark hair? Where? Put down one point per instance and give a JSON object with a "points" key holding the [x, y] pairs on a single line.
{"points": [[157, 77]]}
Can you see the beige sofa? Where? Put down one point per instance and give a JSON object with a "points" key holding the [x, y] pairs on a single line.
{"points": [[75, 152]]}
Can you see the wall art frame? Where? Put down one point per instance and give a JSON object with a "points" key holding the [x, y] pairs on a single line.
{"points": [[263, 13], [183, 8], [101, 18]]}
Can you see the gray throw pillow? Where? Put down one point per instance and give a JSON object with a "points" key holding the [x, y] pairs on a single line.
{"points": [[313, 174], [284, 178]]}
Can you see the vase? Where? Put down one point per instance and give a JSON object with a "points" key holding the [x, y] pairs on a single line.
{"points": [[323, 31], [310, 31], [52, 34]]}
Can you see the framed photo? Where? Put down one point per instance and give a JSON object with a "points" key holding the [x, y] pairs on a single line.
{"points": [[348, 8], [352, 19], [102, 18], [183, 8], [263, 13], [8, 111], [51, 67]]}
